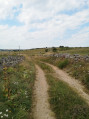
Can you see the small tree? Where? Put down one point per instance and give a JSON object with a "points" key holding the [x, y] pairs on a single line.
{"points": [[46, 50], [54, 49], [61, 46]]}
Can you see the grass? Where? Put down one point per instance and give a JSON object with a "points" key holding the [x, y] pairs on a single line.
{"points": [[21, 82], [71, 50], [63, 64], [78, 50], [64, 101], [45, 67], [79, 70]]}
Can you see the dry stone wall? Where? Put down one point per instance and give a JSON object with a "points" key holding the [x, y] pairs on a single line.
{"points": [[75, 57], [10, 61]]}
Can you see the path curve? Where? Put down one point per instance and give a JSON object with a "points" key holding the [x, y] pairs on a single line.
{"points": [[76, 85], [41, 109]]}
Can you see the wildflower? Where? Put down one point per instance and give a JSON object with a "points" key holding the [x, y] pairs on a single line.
{"points": [[6, 110], [1, 116], [25, 93], [0, 112], [6, 115]]}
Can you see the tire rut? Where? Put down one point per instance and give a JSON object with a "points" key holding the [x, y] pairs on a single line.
{"points": [[41, 109]]}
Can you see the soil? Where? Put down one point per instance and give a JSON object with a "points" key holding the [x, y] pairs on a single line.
{"points": [[41, 108]]}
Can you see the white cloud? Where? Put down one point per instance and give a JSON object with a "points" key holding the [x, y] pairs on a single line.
{"points": [[47, 18], [79, 39]]}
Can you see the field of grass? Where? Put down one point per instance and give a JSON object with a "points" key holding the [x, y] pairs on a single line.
{"points": [[45, 67], [40, 51], [79, 70], [70, 50], [19, 83], [34, 52], [81, 51], [63, 100]]}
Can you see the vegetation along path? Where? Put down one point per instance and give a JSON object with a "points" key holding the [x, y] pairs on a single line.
{"points": [[41, 109], [76, 85]]}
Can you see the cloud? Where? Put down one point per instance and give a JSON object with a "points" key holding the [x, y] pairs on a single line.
{"points": [[41, 23]]}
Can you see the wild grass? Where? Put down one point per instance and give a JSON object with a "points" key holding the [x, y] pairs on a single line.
{"points": [[77, 50], [21, 82], [45, 67], [63, 64], [64, 101], [71, 50], [79, 70]]}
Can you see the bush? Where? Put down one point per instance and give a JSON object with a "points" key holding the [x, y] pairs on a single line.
{"points": [[86, 81], [63, 64], [46, 50], [54, 49]]}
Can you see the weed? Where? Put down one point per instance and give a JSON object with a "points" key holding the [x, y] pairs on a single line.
{"points": [[21, 84], [45, 67], [63, 64]]}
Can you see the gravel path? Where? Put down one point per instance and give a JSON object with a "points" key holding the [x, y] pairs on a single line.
{"points": [[41, 109]]}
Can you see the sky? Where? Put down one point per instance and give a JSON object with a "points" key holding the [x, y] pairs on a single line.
{"points": [[44, 23]]}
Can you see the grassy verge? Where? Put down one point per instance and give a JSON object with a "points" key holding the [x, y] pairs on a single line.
{"points": [[45, 67], [79, 70], [63, 100], [21, 80]]}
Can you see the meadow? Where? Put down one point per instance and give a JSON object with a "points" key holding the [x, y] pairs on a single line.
{"points": [[64, 101], [17, 83], [16, 88], [78, 69]]}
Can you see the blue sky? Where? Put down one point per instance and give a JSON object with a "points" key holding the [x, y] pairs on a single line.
{"points": [[40, 23]]}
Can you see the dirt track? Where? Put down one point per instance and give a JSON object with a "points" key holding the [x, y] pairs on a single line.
{"points": [[76, 85], [41, 109]]}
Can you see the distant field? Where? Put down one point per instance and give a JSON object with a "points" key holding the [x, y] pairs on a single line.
{"points": [[72, 50], [17, 83], [81, 51], [40, 51]]}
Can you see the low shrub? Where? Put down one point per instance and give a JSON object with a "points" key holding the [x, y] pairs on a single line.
{"points": [[63, 64], [86, 81]]}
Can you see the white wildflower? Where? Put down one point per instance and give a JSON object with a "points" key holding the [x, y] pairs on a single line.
{"points": [[6, 110], [6, 115], [0, 112], [25, 93], [1, 116]]}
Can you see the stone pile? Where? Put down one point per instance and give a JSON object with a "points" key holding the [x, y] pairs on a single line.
{"points": [[75, 57], [10, 61]]}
